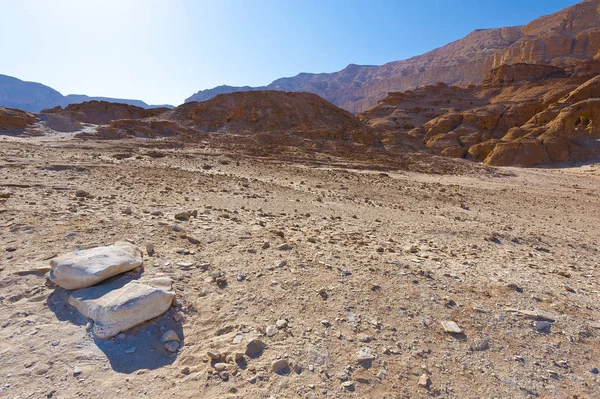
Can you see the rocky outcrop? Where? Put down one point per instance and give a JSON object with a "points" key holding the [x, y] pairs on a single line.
{"points": [[568, 36], [116, 307], [524, 115], [15, 119], [102, 112], [517, 72], [303, 114], [84, 268]]}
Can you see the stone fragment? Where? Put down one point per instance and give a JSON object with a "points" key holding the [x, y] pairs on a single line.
{"points": [[271, 331], [255, 347], [116, 307], [543, 326], [280, 324], [169, 336], [424, 381], [348, 385], [365, 355], [451, 327], [285, 247], [84, 268], [220, 366], [172, 346], [280, 366], [480, 345], [342, 376], [150, 249]]}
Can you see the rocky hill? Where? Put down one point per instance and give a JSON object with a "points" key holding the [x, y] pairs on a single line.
{"points": [[34, 97], [558, 39], [523, 115]]}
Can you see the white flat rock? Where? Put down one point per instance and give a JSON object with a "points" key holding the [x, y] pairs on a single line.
{"points": [[451, 327], [115, 307], [84, 268]]}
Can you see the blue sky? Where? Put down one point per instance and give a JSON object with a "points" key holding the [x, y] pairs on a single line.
{"points": [[162, 51]]}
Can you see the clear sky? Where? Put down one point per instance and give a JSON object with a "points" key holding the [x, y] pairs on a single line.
{"points": [[163, 51]]}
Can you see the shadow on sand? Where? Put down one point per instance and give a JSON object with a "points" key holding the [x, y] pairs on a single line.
{"points": [[137, 348]]}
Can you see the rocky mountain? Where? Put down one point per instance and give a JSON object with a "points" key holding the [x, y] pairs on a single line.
{"points": [[33, 97], [558, 39]]}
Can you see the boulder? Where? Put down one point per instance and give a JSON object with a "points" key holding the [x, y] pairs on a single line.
{"points": [[116, 307], [84, 268]]}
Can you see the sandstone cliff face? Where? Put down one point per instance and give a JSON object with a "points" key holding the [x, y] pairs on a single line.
{"points": [[524, 115], [559, 39]]}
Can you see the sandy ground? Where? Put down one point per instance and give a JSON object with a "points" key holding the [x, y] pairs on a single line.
{"points": [[378, 259]]}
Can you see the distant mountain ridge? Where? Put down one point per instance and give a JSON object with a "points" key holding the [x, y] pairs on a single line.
{"points": [[34, 97], [564, 37]]}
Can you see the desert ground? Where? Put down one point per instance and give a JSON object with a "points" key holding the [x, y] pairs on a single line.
{"points": [[324, 254]]}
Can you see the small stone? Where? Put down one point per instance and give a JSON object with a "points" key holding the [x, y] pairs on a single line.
{"points": [[224, 375], [82, 194], [280, 324], [348, 385], [220, 366], [122, 336], [77, 371], [169, 336], [311, 368], [88, 326], [266, 245], [594, 370], [150, 249], [285, 247], [252, 379], [237, 339], [271, 331], [342, 376], [255, 347], [451, 327], [543, 326], [365, 355], [172, 346], [424, 381], [127, 211], [325, 322], [185, 371], [214, 355], [480, 345], [413, 249], [364, 338], [156, 212], [280, 366], [130, 350]]}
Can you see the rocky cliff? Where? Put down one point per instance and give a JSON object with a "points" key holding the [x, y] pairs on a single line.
{"points": [[559, 39], [524, 115]]}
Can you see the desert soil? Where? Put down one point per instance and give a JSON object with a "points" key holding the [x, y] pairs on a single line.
{"points": [[378, 255]]}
